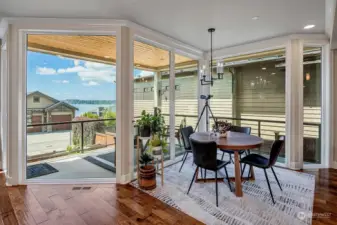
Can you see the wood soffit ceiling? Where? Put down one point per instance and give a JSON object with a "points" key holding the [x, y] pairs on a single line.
{"points": [[103, 49]]}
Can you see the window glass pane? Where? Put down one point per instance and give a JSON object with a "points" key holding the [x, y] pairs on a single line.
{"points": [[151, 91], [252, 94], [312, 105], [71, 106], [186, 97]]}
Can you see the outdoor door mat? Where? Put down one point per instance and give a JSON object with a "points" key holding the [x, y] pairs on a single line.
{"points": [[100, 164], [110, 157], [39, 170]]}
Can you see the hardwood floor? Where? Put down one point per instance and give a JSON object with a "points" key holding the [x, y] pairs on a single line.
{"points": [[122, 204]]}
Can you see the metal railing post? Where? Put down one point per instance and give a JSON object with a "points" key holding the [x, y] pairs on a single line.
{"points": [[259, 128], [82, 138]]}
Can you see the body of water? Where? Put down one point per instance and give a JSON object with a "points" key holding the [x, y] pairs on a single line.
{"points": [[82, 108]]}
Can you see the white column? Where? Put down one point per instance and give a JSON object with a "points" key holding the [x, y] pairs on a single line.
{"points": [[334, 109], [202, 90], [327, 127], [294, 104], [124, 98], [172, 104], [156, 88]]}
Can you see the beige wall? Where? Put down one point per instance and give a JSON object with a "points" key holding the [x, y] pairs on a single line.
{"points": [[44, 102]]}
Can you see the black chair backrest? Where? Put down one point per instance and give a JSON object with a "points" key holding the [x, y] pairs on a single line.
{"points": [[186, 133], [204, 154], [275, 151], [245, 130]]}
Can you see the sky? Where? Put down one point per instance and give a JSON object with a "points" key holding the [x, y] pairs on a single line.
{"points": [[64, 78]]}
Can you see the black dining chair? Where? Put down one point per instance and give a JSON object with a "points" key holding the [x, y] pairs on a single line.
{"points": [[264, 163], [186, 133], [245, 130], [205, 157]]}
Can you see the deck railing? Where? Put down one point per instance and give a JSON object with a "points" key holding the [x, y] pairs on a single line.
{"points": [[106, 132]]}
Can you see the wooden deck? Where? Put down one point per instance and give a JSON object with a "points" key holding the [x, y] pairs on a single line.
{"points": [[122, 204]]}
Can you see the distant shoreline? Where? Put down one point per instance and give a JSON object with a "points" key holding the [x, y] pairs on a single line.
{"points": [[90, 102]]}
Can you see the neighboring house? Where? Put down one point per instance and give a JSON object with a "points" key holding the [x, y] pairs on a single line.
{"points": [[42, 108]]}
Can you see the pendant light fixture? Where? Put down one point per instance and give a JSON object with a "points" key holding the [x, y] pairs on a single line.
{"points": [[208, 79]]}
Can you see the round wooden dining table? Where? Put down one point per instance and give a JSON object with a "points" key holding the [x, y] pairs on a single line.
{"points": [[236, 142]]}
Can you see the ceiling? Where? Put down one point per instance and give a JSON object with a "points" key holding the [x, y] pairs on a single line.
{"points": [[188, 20], [102, 49]]}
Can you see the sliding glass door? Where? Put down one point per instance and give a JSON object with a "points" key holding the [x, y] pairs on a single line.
{"points": [[71, 106]]}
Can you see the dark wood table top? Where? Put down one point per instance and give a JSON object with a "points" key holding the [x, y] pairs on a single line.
{"points": [[233, 141]]}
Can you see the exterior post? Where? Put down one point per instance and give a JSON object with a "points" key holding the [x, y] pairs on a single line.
{"points": [[294, 104], [202, 90], [156, 90], [172, 105]]}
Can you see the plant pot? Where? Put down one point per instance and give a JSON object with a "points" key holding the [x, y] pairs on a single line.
{"points": [[145, 131], [157, 152], [147, 177]]}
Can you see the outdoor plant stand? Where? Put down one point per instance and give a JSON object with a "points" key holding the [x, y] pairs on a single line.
{"points": [[155, 162]]}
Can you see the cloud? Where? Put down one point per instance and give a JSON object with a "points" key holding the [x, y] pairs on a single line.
{"points": [[61, 81], [74, 69], [87, 71], [146, 73], [91, 83], [45, 71], [77, 62]]}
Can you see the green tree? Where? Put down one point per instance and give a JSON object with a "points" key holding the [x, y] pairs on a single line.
{"points": [[90, 115], [108, 114]]}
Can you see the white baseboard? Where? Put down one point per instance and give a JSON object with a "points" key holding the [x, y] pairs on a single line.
{"points": [[125, 179], [334, 165], [296, 165]]}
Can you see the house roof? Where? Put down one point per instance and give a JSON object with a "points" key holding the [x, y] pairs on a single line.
{"points": [[42, 94], [56, 102], [51, 107]]}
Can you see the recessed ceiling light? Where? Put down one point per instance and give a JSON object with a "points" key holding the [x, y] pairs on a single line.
{"points": [[309, 26], [107, 57], [273, 73], [263, 68], [255, 18]]}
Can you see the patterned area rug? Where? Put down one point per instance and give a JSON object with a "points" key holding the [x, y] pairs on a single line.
{"points": [[293, 205]]}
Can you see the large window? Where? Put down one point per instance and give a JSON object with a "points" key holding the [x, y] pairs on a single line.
{"points": [[252, 94], [186, 97], [312, 105], [71, 106]]}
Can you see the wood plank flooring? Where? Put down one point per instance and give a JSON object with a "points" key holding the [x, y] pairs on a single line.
{"points": [[122, 204]]}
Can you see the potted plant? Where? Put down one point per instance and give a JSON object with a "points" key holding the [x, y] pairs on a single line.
{"points": [[147, 172], [144, 124], [157, 146], [157, 122], [222, 127]]}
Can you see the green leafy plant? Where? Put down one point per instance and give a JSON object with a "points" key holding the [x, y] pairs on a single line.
{"points": [[69, 148], [145, 159], [157, 141], [109, 114], [89, 115], [144, 120], [158, 122]]}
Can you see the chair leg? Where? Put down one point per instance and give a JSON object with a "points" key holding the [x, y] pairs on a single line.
{"points": [[242, 171], [184, 159], [223, 154], [271, 193], [230, 158], [272, 169], [229, 182], [216, 187], [195, 173]]}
